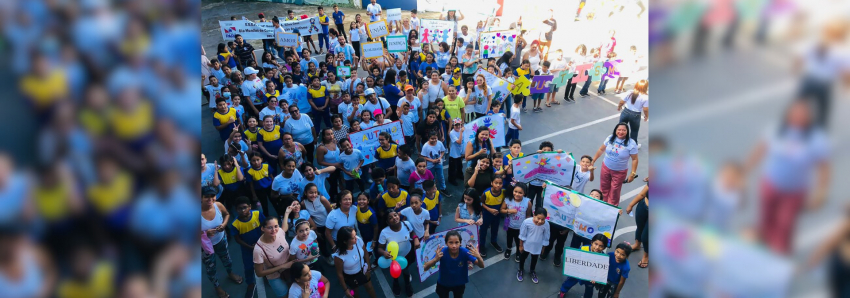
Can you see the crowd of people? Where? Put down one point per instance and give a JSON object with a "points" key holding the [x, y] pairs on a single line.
{"points": [[285, 121]]}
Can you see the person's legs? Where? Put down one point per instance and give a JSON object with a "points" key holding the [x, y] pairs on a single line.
{"points": [[634, 124], [617, 179], [221, 250], [322, 43], [780, 211], [572, 89], [522, 257], [442, 291], [602, 85], [586, 87], [605, 181], [534, 262], [437, 170], [248, 265], [641, 216], [309, 150], [561, 240], [512, 236], [568, 284], [341, 29], [209, 263], [535, 191], [523, 102], [487, 217]]}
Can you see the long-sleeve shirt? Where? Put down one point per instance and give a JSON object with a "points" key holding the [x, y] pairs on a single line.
{"points": [[534, 237]]}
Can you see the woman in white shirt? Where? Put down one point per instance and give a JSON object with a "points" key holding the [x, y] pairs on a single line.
{"points": [[635, 102], [350, 262], [273, 110], [534, 56], [618, 149]]}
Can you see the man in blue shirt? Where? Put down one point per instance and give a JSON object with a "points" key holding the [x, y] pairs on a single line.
{"points": [[339, 18]]}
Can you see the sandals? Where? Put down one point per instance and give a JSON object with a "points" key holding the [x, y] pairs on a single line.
{"points": [[548, 105], [238, 280], [643, 264], [557, 102]]}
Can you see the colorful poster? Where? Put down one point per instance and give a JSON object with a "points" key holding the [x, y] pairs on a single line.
{"points": [[496, 124], [540, 84], [612, 72], [286, 39], [496, 84], [495, 44], [597, 71], [377, 29], [521, 86], [555, 167], [367, 140], [584, 215], [428, 248], [308, 26], [343, 71], [562, 78], [372, 49], [248, 30], [586, 265], [396, 43], [580, 70], [435, 31], [394, 14]]}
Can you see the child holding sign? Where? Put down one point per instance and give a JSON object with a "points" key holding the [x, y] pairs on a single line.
{"points": [[597, 245], [453, 276]]}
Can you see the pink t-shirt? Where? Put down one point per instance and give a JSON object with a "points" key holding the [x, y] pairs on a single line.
{"points": [[272, 254], [416, 180]]}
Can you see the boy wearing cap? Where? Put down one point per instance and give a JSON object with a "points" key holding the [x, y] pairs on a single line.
{"points": [[413, 101], [373, 102]]}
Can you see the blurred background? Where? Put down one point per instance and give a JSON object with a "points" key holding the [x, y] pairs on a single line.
{"points": [[100, 128], [747, 171]]}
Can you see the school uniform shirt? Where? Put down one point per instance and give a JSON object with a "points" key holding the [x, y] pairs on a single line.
{"points": [[515, 114], [617, 270], [617, 154], [534, 237], [215, 93], [319, 96], [319, 181], [416, 220], [433, 152], [287, 186], [337, 219], [402, 237], [353, 261], [454, 272], [272, 254], [300, 129], [453, 106], [432, 205], [295, 290], [349, 161], [271, 139], [642, 101], [219, 119], [262, 177], [251, 136], [404, 169], [305, 249], [388, 202], [317, 211], [375, 9], [494, 199], [323, 18], [366, 222], [415, 180], [515, 220], [580, 180], [251, 91], [228, 179], [250, 230]]}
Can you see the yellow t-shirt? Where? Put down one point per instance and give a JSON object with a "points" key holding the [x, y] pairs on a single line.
{"points": [[131, 125], [107, 197], [491, 199], [251, 136], [454, 106]]}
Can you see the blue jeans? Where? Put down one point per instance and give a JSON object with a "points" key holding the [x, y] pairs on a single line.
{"points": [[570, 282], [490, 222], [602, 85], [268, 45], [323, 40], [586, 87], [248, 264], [511, 135], [437, 170], [523, 101], [279, 287], [319, 117]]}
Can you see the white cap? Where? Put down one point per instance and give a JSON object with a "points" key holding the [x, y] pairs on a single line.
{"points": [[250, 71], [369, 91]]}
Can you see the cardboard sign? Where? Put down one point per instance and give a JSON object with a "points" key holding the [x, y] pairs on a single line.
{"points": [[372, 50], [495, 44], [286, 39], [308, 26], [496, 124], [396, 43], [343, 71], [436, 31], [586, 265], [562, 78], [521, 86], [428, 248], [367, 140], [394, 14], [581, 75], [554, 167], [377, 29], [584, 215], [597, 71], [498, 85], [612, 71], [540, 84]]}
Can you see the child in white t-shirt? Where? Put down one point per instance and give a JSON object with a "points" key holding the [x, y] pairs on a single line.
{"points": [[583, 175]]}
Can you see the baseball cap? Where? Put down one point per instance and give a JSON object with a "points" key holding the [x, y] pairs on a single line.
{"points": [[457, 121], [209, 191], [250, 70], [408, 87], [377, 112], [261, 15], [368, 91]]}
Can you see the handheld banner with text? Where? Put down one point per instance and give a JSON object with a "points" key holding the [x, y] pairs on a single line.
{"points": [[586, 265], [521, 86], [396, 43], [496, 124], [584, 215], [372, 50], [367, 140], [559, 168], [496, 84], [308, 26], [248, 30], [612, 72], [562, 78], [343, 71], [580, 70], [435, 31], [286, 39], [394, 14], [428, 248], [540, 84], [495, 44], [597, 71], [377, 29]]}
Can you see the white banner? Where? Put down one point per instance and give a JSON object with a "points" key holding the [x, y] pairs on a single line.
{"points": [[497, 85], [377, 29], [586, 265], [495, 44], [248, 30], [394, 14], [554, 167], [434, 31], [308, 26], [496, 124], [286, 39], [372, 49], [584, 215], [396, 43], [428, 248]]}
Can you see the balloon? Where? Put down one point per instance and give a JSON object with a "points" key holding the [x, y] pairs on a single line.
{"points": [[402, 262], [384, 262], [392, 247], [395, 269], [321, 288]]}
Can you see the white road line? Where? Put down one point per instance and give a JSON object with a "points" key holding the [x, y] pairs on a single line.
{"points": [[487, 263], [621, 232], [548, 136], [379, 273]]}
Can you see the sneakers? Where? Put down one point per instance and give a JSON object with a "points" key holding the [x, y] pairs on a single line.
{"points": [[507, 254], [543, 256], [408, 290], [534, 277], [561, 294], [640, 145], [584, 95], [538, 110], [516, 257], [557, 262], [519, 275], [524, 110], [396, 288], [497, 247], [483, 252]]}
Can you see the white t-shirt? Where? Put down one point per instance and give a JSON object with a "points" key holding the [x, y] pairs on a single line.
{"points": [[641, 102], [336, 220], [456, 149], [414, 106], [305, 249], [249, 91], [404, 169], [295, 290], [355, 35], [353, 259], [286, 186], [467, 39], [515, 116], [371, 107], [617, 155], [480, 105], [402, 237], [375, 9], [558, 64], [432, 151], [580, 180], [416, 220]]}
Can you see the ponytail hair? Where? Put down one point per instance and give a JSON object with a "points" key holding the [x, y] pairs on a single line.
{"points": [[640, 88]]}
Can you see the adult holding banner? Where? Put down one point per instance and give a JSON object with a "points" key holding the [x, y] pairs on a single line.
{"points": [[618, 148], [453, 272]]}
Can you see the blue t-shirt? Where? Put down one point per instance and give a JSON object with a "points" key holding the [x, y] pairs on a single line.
{"points": [[391, 94], [338, 17], [407, 123], [349, 161], [305, 64], [319, 181], [425, 65], [300, 129], [454, 271], [616, 270]]}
